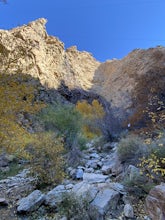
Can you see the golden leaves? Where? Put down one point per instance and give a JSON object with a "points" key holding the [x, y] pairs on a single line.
{"points": [[16, 95], [91, 113]]}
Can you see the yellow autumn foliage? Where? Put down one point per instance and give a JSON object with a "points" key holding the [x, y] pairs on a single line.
{"points": [[43, 150], [92, 113], [153, 165], [17, 95], [46, 156]]}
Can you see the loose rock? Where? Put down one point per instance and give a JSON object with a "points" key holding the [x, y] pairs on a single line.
{"points": [[128, 211], [31, 203]]}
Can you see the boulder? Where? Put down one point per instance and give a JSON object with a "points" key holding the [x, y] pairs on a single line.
{"points": [[95, 178], [117, 187], [85, 190], [93, 163], [55, 196], [31, 203], [105, 200], [79, 174], [155, 202]]}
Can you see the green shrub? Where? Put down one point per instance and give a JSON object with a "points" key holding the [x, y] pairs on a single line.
{"points": [[131, 149], [76, 207], [65, 119], [14, 169]]}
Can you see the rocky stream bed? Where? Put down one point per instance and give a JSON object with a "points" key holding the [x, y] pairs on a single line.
{"points": [[98, 181]]}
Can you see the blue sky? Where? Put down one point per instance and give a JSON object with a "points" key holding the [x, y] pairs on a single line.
{"points": [[106, 28]]}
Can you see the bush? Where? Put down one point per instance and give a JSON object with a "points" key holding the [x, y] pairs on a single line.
{"points": [[17, 95], [46, 158], [153, 165], [131, 148], [93, 115], [76, 207], [65, 119]]}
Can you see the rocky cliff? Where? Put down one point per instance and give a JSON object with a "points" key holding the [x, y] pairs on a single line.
{"points": [[29, 49]]}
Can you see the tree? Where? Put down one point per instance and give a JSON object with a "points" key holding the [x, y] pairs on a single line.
{"points": [[92, 114]]}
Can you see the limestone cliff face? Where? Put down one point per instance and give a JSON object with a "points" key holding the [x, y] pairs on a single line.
{"points": [[29, 49], [116, 79]]}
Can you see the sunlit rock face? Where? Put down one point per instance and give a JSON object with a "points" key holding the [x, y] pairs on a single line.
{"points": [[29, 49]]}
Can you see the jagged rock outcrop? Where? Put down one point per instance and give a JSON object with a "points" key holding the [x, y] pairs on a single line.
{"points": [[29, 49]]}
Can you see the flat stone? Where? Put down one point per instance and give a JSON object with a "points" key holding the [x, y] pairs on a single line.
{"points": [[54, 197], [89, 170], [31, 203], [106, 200], [85, 190], [94, 178], [118, 187]]}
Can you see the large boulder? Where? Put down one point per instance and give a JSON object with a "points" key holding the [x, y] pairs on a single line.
{"points": [[155, 202], [31, 203], [55, 196], [85, 190], [105, 200]]}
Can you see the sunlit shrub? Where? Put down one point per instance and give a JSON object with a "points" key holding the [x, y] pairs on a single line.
{"points": [[17, 95], [93, 115], [46, 161], [154, 164]]}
